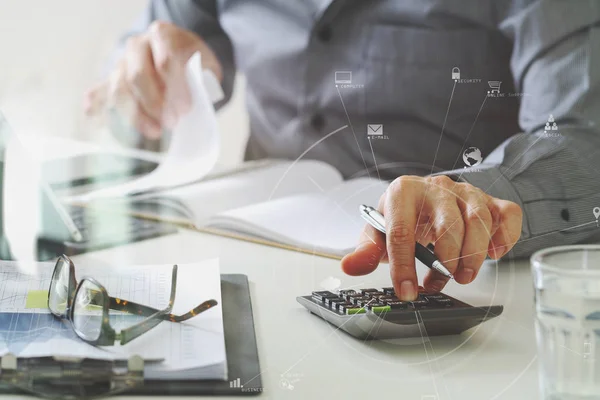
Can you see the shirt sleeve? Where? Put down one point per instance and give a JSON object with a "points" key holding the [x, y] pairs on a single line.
{"points": [[199, 16], [554, 175]]}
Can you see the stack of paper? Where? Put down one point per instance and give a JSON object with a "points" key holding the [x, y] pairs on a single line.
{"points": [[194, 349]]}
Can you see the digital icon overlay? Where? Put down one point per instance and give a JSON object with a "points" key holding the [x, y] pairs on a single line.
{"points": [[494, 86], [343, 77], [455, 73], [375, 129], [472, 157]]}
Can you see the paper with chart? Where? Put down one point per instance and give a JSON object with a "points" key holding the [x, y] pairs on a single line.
{"points": [[195, 142], [27, 329]]}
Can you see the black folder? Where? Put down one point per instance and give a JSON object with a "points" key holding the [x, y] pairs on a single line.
{"points": [[240, 345]]}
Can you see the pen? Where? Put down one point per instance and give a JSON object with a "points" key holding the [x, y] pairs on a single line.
{"points": [[376, 220]]}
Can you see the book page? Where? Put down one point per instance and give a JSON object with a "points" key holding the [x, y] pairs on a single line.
{"points": [[284, 178], [327, 222]]}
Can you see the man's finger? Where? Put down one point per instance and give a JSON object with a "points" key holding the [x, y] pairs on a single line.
{"points": [[400, 213], [509, 231], [128, 110], [367, 255], [143, 80], [170, 67], [95, 99], [448, 226], [369, 252], [478, 224]]}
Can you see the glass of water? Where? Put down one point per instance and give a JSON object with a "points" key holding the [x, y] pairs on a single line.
{"points": [[567, 304]]}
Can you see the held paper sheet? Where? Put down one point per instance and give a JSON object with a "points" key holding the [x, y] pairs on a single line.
{"points": [[194, 146]]}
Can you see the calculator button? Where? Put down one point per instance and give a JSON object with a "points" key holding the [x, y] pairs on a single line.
{"points": [[444, 302], [375, 294], [373, 304], [388, 290], [355, 300], [365, 291], [321, 296], [330, 301], [367, 302], [380, 309], [419, 303], [388, 298], [435, 296], [397, 305], [356, 310], [345, 293], [342, 306]]}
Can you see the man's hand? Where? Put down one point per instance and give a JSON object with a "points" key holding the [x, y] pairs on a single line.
{"points": [[148, 87], [463, 223]]}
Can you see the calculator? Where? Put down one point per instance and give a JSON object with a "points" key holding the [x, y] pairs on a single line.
{"points": [[379, 314]]}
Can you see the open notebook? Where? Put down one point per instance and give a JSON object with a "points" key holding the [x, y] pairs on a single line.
{"points": [[305, 205]]}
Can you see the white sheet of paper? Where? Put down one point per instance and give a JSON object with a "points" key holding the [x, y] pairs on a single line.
{"points": [[34, 332], [193, 344], [195, 143]]}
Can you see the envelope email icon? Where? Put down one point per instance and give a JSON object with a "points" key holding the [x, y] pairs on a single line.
{"points": [[375, 129]]}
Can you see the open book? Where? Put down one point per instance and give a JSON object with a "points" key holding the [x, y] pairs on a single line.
{"points": [[305, 204]]}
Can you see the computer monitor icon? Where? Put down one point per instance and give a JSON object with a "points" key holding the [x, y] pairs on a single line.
{"points": [[342, 77]]}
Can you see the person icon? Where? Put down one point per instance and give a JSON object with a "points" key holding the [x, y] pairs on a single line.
{"points": [[596, 212], [547, 128], [554, 127], [551, 118]]}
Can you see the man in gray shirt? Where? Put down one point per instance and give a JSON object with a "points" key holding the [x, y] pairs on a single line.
{"points": [[516, 81]]}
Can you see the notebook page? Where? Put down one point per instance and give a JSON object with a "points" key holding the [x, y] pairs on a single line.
{"points": [[326, 221], [208, 198]]}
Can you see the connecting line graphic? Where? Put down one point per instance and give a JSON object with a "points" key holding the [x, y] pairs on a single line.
{"points": [[435, 358], [374, 160], [315, 144], [436, 152], [470, 131], [527, 240], [354, 134]]}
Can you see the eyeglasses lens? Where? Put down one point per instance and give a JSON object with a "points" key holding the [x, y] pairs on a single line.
{"points": [[59, 288], [88, 311]]}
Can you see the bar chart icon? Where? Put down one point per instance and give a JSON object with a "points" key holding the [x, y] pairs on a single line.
{"points": [[236, 383]]}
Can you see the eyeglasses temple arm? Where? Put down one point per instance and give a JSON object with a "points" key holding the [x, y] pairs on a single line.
{"points": [[134, 331]]}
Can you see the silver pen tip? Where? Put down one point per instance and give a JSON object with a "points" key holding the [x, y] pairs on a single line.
{"points": [[451, 276], [362, 207]]}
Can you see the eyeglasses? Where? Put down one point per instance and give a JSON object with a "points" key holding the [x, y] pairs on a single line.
{"points": [[86, 305]]}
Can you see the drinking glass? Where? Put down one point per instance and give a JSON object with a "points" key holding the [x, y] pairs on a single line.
{"points": [[567, 305]]}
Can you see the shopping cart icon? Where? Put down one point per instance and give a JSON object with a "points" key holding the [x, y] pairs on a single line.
{"points": [[495, 86]]}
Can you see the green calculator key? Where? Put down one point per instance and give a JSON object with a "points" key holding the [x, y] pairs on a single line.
{"points": [[380, 309], [351, 311]]}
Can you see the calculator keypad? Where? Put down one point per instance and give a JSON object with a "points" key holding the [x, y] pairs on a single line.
{"points": [[352, 302]]}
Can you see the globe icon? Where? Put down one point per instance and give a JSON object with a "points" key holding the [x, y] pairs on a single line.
{"points": [[472, 157]]}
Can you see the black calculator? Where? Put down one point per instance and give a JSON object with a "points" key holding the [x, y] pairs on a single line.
{"points": [[379, 314]]}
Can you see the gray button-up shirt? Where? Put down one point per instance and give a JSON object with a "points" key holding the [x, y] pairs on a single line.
{"points": [[518, 62]]}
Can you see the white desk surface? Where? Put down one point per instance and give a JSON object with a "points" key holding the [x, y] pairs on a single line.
{"points": [[496, 360]]}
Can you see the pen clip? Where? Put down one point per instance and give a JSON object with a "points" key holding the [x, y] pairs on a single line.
{"points": [[372, 221]]}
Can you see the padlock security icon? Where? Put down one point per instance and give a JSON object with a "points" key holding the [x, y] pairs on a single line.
{"points": [[455, 73]]}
